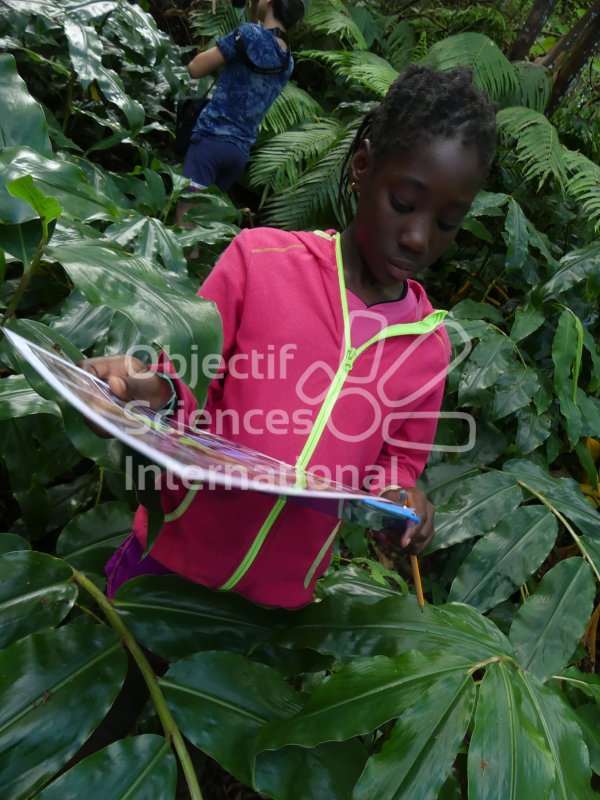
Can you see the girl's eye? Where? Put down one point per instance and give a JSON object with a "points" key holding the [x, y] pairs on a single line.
{"points": [[446, 226], [398, 205]]}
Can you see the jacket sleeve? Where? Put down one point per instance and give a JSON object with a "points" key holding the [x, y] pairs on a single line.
{"points": [[226, 287], [408, 435]]}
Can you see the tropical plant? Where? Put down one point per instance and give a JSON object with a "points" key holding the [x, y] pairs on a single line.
{"points": [[492, 690]]}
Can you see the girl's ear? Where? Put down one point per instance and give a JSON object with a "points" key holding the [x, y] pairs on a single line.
{"points": [[361, 162]]}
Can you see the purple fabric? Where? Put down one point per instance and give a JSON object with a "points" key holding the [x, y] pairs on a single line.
{"points": [[127, 563]]}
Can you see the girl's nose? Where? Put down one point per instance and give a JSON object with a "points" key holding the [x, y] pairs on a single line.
{"points": [[415, 236]]}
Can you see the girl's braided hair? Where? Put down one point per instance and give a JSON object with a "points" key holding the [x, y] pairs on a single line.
{"points": [[423, 104]]}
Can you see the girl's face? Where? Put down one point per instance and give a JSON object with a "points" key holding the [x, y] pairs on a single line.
{"points": [[410, 207]]}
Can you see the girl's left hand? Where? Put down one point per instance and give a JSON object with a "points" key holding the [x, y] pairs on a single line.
{"points": [[416, 537]]}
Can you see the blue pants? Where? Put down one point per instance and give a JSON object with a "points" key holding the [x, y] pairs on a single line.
{"points": [[213, 161]]}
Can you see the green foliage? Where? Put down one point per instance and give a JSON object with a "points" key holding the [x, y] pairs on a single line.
{"points": [[486, 693]]}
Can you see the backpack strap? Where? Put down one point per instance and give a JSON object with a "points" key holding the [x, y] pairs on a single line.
{"points": [[240, 48]]}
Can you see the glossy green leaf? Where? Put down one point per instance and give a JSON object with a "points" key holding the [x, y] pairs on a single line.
{"points": [[350, 629], [508, 753], [48, 208], [592, 551], [82, 323], [563, 493], [477, 505], [528, 319], [221, 701], [297, 773], [517, 236], [362, 696], [59, 179], [90, 538], [574, 268], [23, 121], [140, 767], [85, 50], [352, 580], [587, 682], [504, 558], [112, 88], [547, 628], [566, 349], [175, 618], [563, 738], [43, 682], [36, 592], [485, 365], [188, 326], [150, 238], [588, 719], [418, 755], [17, 399], [514, 390], [11, 543], [533, 430]]}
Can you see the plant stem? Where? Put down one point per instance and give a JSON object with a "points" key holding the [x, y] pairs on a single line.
{"points": [[172, 732], [25, 278], [565, 522]]}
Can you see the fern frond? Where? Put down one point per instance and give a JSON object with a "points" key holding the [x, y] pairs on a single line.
{"points": [[278, 164], [537, 143], [535, 86], [332, 17], [213, 26], [291, 107], [367, 69], [492, 71], [399, 45], [583, 184], [315, 196]]}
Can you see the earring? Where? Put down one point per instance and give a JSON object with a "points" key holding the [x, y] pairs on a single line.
{"points": [[354, 187]]}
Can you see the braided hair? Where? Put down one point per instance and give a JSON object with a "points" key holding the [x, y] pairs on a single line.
{"points": [[423, 104]]}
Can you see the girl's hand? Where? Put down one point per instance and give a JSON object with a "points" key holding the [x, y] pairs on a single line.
{"points": [[129, 379], [416, 537]]}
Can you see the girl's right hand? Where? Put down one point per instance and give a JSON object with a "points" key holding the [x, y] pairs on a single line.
{"points": [[129, 379]]}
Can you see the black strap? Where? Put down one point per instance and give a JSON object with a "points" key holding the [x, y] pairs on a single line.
{"points": [[240, 48]]}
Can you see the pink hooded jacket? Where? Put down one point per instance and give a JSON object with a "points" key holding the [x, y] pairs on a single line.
{"points": [[294, 386]]}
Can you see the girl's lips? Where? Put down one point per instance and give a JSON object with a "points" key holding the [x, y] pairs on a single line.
{"points": [[401, 268]]}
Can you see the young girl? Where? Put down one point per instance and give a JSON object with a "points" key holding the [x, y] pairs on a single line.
{"points": [[334, 359]]}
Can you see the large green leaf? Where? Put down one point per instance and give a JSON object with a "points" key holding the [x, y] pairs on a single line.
{"points": [[508, 754], [85, 50], [221, 701], [517, 236], [514, 389], [36, 592], [587, 682], [140, 767], [563, 738], [17, 399], [574, 268], [23, 121], [362, 696], [175, 618], [562, 493], [188, 327], [11, 543], [503, 559], [477, 505], [348, 628], [415, 760], [487, 363], [56, 178], [547, 628], [90, 538], [43, 682], [567, 348]]}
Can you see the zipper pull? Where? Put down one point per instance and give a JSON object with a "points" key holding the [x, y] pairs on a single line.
{"points": [[349, 359]]}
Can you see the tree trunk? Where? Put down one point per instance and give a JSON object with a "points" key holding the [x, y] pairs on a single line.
{"points": [[571, 53], [535, 21]]}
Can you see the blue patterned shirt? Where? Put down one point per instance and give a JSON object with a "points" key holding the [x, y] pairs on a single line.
{"points": [[242, 97]]}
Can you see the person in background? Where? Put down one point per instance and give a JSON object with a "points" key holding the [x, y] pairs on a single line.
{"points": [[256, 63]]}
